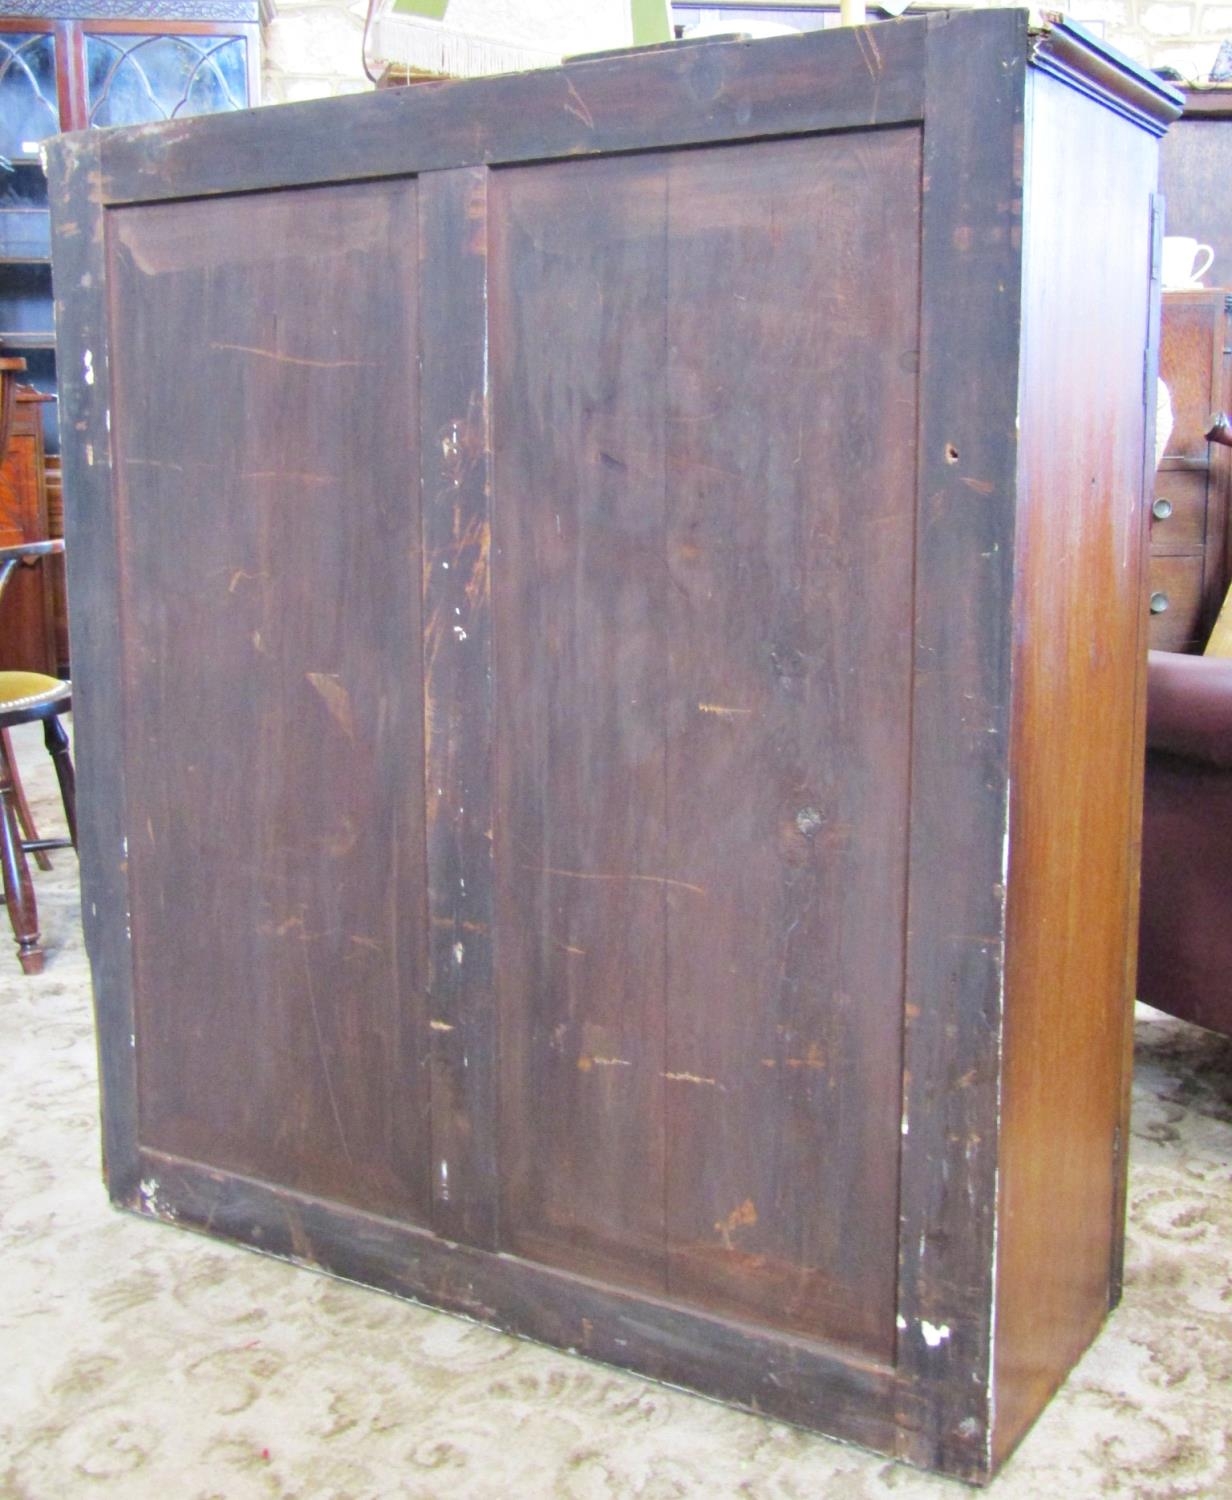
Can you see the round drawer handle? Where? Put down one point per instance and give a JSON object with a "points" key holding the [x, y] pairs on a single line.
{"points": [[1159, 603], [1162, 509]]}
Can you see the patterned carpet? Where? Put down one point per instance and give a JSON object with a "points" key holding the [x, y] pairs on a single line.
{"points": [[138, 1360]]}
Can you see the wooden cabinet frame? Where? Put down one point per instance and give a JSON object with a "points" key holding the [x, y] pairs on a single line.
{"points": [[1024, 647]]}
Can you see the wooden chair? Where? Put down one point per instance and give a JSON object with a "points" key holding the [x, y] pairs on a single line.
{"points": [[26, 697]]}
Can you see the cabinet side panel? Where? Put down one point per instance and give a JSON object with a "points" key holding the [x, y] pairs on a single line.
{"points": [[267, 481], [1078, 658]]}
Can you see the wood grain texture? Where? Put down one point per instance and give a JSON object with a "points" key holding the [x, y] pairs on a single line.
{"points": [[736, 1362], [1076, 726], [702, 805], [95, 585], [788, 655], [268, 493], [960, 772], [677, 97], [579, 278], [455, 455]]}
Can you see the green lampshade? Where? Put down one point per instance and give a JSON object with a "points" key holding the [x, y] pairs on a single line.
{"points": [[651, 22]]}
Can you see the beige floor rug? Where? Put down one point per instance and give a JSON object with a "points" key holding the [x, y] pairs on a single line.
{"points": [[137, 1360]]}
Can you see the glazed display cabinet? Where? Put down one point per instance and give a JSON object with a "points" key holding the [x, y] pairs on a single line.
{"points": [[74, 64]]}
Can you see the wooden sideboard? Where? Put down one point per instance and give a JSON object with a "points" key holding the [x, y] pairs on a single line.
{"points": [[28, 610], [559, 549]]}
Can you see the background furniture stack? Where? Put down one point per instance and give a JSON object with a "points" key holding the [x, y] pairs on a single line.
{"points": [[1189, 515], [27, 696], [1185, 941], [69, 66], [1191, 559]]}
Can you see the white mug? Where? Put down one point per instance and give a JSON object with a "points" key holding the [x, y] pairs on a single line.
{"points": [[1180, 269]]}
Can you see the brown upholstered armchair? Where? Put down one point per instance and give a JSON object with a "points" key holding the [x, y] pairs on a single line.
{"points": [[1185, 944]]}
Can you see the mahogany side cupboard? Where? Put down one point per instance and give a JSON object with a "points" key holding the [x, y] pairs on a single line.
{"points": [[608, 612]]}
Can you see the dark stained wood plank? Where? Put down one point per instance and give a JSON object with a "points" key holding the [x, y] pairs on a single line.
{"points": [[268, 492], [95, 585], [788, 640], [577, 347], [455, 455], [736, 1362], [960, 772], [737, 90], [1075, 810]]}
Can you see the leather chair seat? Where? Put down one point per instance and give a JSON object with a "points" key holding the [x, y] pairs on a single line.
{"points": [[22, 691], [1185, 932]]}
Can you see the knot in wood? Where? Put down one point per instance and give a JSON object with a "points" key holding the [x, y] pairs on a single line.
{"points": [[808, 821]]}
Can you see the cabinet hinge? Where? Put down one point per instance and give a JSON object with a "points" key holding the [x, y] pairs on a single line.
{"points": [[1157, 236]]}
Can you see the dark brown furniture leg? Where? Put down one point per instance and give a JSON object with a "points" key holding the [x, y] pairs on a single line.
{"points": [[56, 740], [25, 817], [18, 888]]}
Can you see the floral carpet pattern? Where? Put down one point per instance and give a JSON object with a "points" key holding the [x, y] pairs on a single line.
{"points": [[138, 1360]]}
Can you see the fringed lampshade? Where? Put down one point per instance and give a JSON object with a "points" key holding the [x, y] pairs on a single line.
{"points": [[467, 38]]}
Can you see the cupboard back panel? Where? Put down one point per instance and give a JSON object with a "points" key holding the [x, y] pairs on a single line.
{"points": [[701, 759], [268, 509], [737, 595]]}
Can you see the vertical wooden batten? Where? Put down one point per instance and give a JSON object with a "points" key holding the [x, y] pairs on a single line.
{"points": [[969, 330], [75, 199], [455, 455]]}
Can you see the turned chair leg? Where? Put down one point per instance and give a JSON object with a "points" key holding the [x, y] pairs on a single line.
{"points": [[56, 741], [18, 887], [25, 817]]}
